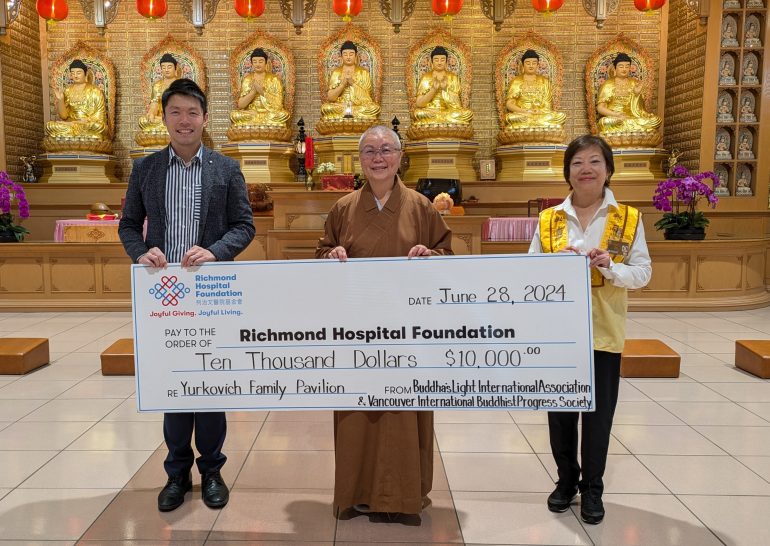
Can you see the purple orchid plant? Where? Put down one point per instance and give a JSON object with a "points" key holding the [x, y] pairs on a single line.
{"points": [[10, 192], [678, 198]]}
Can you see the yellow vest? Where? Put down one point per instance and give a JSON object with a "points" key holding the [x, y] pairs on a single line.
{"points": [[608, 302]]}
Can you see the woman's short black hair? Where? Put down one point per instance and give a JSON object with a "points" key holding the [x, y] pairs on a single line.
{"points": [[589, 141], [186, 87]]}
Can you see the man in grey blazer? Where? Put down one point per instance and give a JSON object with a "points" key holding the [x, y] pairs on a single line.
{"points": [[197, 210]]}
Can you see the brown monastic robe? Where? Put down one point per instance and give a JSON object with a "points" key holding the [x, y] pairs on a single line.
{"points": [[383, 458]]}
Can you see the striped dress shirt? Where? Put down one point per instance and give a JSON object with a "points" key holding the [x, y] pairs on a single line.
{"points": [[183, 204]]}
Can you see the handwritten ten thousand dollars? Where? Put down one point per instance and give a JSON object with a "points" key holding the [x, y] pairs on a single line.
{"points": [[463, 332]]}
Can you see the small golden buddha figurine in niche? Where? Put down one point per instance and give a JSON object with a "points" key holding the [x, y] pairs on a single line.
{"points": [[747, 109], [722, 189], [729, 34], [723, 146], [529, 99], [621, 105], [749, 71], [726, 76], [350, 90], [724, 111], [438, 94], [152, 121], [743, 183], [81, 107], [745, 143], [260, 101], [752, 34]]}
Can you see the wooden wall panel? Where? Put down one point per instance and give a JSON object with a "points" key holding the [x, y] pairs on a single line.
{"points": [[64, 276], [73, 275], [719, 273], [22, 275], [114, 278], [755, 270], [292, 244], [669, 274]]}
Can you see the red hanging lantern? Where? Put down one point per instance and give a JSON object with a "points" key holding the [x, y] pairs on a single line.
{"points": [[249, 9], [52, 10], [152, 9], [447, 8], [648, 6], [547, 7], [347, 9]]}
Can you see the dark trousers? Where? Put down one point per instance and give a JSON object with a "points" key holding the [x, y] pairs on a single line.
{"points": [[210, 430], [595, 437]]}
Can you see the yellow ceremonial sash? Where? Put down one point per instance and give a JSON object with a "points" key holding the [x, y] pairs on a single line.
{"points": [[619, 233]]}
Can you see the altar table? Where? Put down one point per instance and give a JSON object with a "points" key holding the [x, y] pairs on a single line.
{"points": [[86, 231], [509, 229]]}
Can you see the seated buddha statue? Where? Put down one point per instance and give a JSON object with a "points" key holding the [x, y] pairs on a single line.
{"points": [[260, 100], [752, 35], [152, 121], [437, 99], [82, 109], [351, 90], [728, 33], [747, 111], [749, 72], [726, 76], [621, 107], [529, 103], [744, 147], [724, 115], [743, 184], [723, 147]]}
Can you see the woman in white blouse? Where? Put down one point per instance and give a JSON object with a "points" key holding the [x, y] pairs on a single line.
{"points": [[611, 235]]}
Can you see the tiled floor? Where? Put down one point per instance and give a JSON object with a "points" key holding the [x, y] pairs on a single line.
{"points": [[689, 459]]}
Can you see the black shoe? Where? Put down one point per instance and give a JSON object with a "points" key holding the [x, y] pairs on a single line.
{"points": [[171, 496], [591, 507], [214, 491], [562, 496]]}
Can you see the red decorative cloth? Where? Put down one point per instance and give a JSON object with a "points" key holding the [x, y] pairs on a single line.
{"points": [[337, 182], [309, 155]]}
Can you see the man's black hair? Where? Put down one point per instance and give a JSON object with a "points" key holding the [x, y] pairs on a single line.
{"points": [[186, 87]]}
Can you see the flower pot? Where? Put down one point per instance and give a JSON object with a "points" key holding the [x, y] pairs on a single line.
{"points": [[685, 234]]}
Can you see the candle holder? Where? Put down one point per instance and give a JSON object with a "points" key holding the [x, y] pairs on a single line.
{"points": [[395, 123], [299, 148]]}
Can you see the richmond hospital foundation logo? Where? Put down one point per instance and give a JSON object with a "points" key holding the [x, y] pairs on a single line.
{"points": [[169, 291]]}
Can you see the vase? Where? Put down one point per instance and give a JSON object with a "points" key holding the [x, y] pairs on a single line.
{"points": [[7, 236], [685, 234]]}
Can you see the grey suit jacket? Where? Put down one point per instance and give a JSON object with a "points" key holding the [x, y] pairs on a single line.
{"points": [[226, 221]]}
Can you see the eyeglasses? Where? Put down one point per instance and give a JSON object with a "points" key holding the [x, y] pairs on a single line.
{"points": [[385, 152]]}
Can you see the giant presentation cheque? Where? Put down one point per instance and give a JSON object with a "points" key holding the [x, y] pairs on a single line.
{"points": [[462, 332]]}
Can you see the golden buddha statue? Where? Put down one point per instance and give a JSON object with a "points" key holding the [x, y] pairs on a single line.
{"points": [[260, 100], [350, 89], [152, 122], [438, 95], [620, 103], [530, 115], [83, 112]]}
